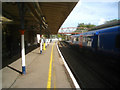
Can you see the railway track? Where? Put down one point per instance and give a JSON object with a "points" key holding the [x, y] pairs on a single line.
{"points": [[91, 70]]}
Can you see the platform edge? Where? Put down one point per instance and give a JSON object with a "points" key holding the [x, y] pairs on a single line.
{"points": [[69, 71]]}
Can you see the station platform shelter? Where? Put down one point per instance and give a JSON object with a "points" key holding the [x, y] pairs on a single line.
{"points": [[25, 62]]}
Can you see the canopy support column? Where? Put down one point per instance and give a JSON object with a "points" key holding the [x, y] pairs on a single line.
{"points": [[22, 13], [41, 40]]}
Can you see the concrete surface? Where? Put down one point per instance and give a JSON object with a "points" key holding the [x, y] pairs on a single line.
{"points": [[37, 67]]}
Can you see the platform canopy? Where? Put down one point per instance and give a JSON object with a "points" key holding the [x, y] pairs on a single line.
{"points": [[50, 15]]}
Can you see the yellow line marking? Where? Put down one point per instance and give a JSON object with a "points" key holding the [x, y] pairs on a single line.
{"points": [[50, 69], [54, 76]]}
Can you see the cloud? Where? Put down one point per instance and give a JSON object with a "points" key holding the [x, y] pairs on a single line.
{"points": [[92, 12], [102, 21]]}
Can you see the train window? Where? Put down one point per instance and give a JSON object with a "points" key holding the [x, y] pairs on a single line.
{"points": [[84, 39], [89, 38], [118, 41]]}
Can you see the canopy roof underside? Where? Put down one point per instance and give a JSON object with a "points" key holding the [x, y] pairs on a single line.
{"points": [[50, 15]]}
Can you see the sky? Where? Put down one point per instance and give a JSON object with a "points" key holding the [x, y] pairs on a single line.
{"points": [[93, 12]]}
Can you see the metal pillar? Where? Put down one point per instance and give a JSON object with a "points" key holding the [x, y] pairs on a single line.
{"points": [[41, 45], [23, 52], [41, 40], [46, 42], [48, 39], [22, 12]]}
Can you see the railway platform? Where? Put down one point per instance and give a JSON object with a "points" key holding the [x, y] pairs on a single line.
{"points": [[44, 70]]}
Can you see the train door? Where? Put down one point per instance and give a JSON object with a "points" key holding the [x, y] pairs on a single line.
{"points": [[95, 42], [117, 44]]}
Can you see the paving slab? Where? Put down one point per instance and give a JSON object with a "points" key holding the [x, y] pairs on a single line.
{"points": [[37, 68]]}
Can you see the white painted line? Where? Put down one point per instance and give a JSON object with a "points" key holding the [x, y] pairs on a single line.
{"points": [[69, 71]]}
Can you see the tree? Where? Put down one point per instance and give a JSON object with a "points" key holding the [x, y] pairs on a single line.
{"points": [[111, 21], [59, 36], [86, 25], [83, 27]]}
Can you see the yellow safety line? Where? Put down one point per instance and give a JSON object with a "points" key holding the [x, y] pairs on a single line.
{"points": [[50, 69], [54, 76]]}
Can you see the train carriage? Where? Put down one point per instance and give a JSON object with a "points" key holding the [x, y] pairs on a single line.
{"points": [[109, 41], [104, 40]]}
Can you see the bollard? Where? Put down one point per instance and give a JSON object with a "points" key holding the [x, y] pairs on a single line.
{"points": [[44, 46]]}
